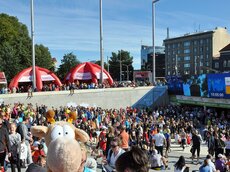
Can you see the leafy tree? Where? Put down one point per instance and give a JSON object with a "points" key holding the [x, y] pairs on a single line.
{"points": [[105, 65], [67, 63], [14, 46], [43, 57], [126, 62]]}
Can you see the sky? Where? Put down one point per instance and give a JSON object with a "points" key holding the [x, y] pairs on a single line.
{"points": [[66, 26]]}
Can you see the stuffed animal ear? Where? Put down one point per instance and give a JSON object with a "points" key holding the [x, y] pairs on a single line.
{"points": [[39, 131], [81, 135]]}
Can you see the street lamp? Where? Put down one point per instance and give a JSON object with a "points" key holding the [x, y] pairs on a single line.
{"points": [[33, 48], [120, 67], [101, 44], [153, 34]]}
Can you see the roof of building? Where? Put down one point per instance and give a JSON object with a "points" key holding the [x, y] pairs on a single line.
{"points": [[226, 48]]}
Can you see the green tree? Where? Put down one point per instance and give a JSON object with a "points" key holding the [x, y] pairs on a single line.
{"points": [[43, 57], [105, 65], [14, 46], [67, 63], [126, 61]]}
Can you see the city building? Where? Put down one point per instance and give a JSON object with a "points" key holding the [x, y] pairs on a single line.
{"points": [[147, 59], [194, 53], [222, 64]]}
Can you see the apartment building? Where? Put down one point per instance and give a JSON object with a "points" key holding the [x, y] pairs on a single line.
{"points": [[193, 53]]}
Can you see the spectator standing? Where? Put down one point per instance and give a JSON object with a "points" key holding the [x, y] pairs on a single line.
{"points": [[196, 142], [124, 136], [113, 154], [26, 138], [4, 144], [159, 140], [15, 144]]}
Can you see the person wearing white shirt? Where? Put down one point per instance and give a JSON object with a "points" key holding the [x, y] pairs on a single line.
{"points": [[159, 140]]}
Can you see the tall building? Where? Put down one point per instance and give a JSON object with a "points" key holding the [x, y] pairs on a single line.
{"points": [[194, 53], [147, 59]]}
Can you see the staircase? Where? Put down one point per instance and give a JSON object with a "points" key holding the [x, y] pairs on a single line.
{"points": [[157, 96]]}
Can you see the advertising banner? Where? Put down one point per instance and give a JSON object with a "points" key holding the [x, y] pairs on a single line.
{"points": [[219, 85]]}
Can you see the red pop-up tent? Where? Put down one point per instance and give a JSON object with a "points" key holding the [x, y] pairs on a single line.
{"points": [[87, 71], [42, 74]]}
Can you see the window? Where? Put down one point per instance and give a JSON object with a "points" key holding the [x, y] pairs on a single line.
{"points": [[201, 57], [195, 42], [216, 65], [201, 41], [187, 58], [228, 63], [179, 58], [168, 72], [187, 43], [195, 50], [186, 65], [187, 51], [225, 63], [201, 63], [207, 63], [201, 71]]}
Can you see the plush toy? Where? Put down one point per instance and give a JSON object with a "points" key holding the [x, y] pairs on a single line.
{"points": [[50, 116], [72, 117], [64, 152]]}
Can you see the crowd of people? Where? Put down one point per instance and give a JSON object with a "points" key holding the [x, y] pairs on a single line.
{"points": [[141, 137]]}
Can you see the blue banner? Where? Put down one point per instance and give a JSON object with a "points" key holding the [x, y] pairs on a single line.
{"points": [[219, 85]]}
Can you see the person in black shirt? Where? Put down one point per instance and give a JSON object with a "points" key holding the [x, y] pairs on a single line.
{"points": [[4, 143], [196, 142]]}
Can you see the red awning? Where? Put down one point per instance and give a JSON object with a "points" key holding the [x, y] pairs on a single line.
{"points": [[3, 78]]}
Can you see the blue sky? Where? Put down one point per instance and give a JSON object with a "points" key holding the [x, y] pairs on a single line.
{"points": [[66, 26]]}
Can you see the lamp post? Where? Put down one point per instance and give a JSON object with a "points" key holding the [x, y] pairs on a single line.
{"points": [[153, 34], [33, 48], [120, 67], [101, 44]]}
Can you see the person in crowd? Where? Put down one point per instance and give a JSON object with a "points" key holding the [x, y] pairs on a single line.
{"points": [[113, 154], [205, 167], [15, 144], [4, 143], [196, 142], [211, 143], [109, 137], [26, 137], [183, 138], [220, 163], [227, 145], [168, 140], [39, 166], [124, 136], [157, 162], [211, 164], [180, 165], [38, 151], [159, 140], [87, 164], [102, 139], [132, 161]]}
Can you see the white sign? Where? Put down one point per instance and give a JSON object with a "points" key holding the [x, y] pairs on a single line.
{"points": [[227, 81]]}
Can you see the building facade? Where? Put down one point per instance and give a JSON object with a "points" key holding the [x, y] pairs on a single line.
{"points": [[222, 64], [147, 59], [193, 54]]}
